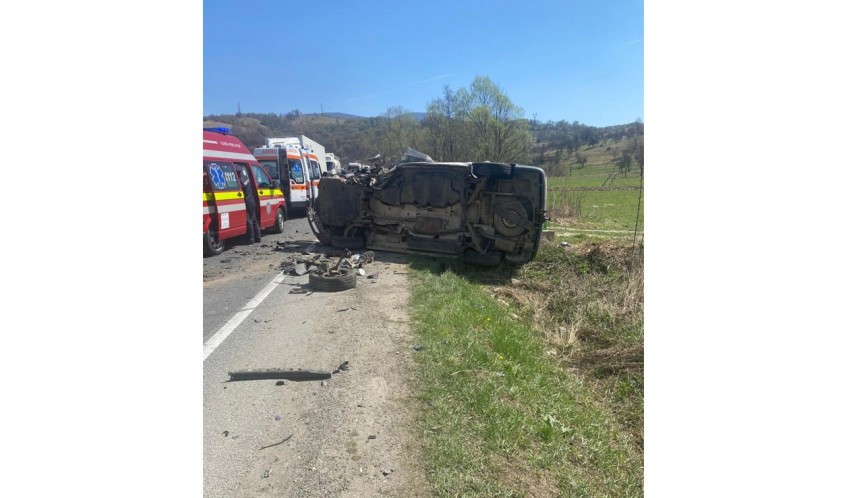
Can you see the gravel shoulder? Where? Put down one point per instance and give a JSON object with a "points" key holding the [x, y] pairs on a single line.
{"points": [[349, 436]]}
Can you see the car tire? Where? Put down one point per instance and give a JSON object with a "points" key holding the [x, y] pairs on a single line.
{"points": [[212, 244], [279, 226], [339, 281], [342, 242], [490, 258], [495, 170], [323, 236]]}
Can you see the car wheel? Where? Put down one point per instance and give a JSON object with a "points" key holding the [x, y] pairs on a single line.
{"points": [[511, 219], [342, 242], [334, 282], [212, 243], [279, 226], [322, 235], [490, 258], [496, 170]]}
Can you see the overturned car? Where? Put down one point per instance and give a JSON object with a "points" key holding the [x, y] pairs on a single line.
{"points": [[484, 212]]}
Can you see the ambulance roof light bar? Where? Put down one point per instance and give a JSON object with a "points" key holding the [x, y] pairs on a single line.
{"points": [[220, 129]]}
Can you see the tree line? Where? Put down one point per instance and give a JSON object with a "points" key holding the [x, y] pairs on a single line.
{"points": [[474, 123]]}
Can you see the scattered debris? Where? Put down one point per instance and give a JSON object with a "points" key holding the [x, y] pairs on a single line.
{"points": [[226, 433], [276, 444], [324, 383], [278, 373], [372, 436], [301, 269], [286, 246], [277, 418], [387, 471], [564, 244], [341, 368], [373, 276], [417, 347], [266, 474], [360, 272], [280, 382]]}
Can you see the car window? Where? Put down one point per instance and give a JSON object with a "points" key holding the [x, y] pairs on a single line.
{"points": [[221, 175], [316, 170], [297, 171], [271, 168], [261, 177]]}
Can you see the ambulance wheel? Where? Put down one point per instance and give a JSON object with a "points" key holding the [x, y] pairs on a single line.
{"points": [[339, 281], [213, 245], [279, 226]]}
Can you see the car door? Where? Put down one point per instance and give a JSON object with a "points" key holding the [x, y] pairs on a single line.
{"points": [[266, 196]]}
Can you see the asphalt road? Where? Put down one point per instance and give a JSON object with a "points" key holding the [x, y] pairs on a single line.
{"points": [[349, 435], [234, 277]]}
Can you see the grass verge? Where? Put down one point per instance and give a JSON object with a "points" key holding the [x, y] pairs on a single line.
{"points": [[531, 376]]}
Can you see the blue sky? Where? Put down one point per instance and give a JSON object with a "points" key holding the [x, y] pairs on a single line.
{"points": [[574, 60]]}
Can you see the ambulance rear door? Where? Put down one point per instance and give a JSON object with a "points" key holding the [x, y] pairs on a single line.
{"points": [[315, 168], [297, 172]]}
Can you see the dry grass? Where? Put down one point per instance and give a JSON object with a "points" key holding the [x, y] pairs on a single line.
{"points": [[587, 300]]}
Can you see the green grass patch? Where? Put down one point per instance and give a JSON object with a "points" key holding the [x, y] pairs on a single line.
{"points": [[596, 210], [505, 412]]}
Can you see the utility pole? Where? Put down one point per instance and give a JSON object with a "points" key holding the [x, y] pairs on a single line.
{"points": [[238, 108], [322, 108]]}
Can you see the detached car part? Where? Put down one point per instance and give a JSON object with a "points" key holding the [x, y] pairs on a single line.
{"points": [[332, 281]]}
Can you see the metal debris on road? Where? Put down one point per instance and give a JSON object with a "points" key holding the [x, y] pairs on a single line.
{"points": [[277, 444], [279, 373], [344, 366]]}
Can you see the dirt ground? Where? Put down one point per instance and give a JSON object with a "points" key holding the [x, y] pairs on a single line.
{"points": [[352, 435]]}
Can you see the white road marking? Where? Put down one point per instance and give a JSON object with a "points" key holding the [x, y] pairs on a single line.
{"points": [[239, 317]]}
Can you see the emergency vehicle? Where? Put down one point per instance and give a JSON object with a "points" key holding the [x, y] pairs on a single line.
{"points": [[333, 164], [295, 170], [223, 206]]}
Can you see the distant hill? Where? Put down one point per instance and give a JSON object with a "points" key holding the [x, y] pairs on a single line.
{"points": [[339, 115], [556, 147], [343, 115]]}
